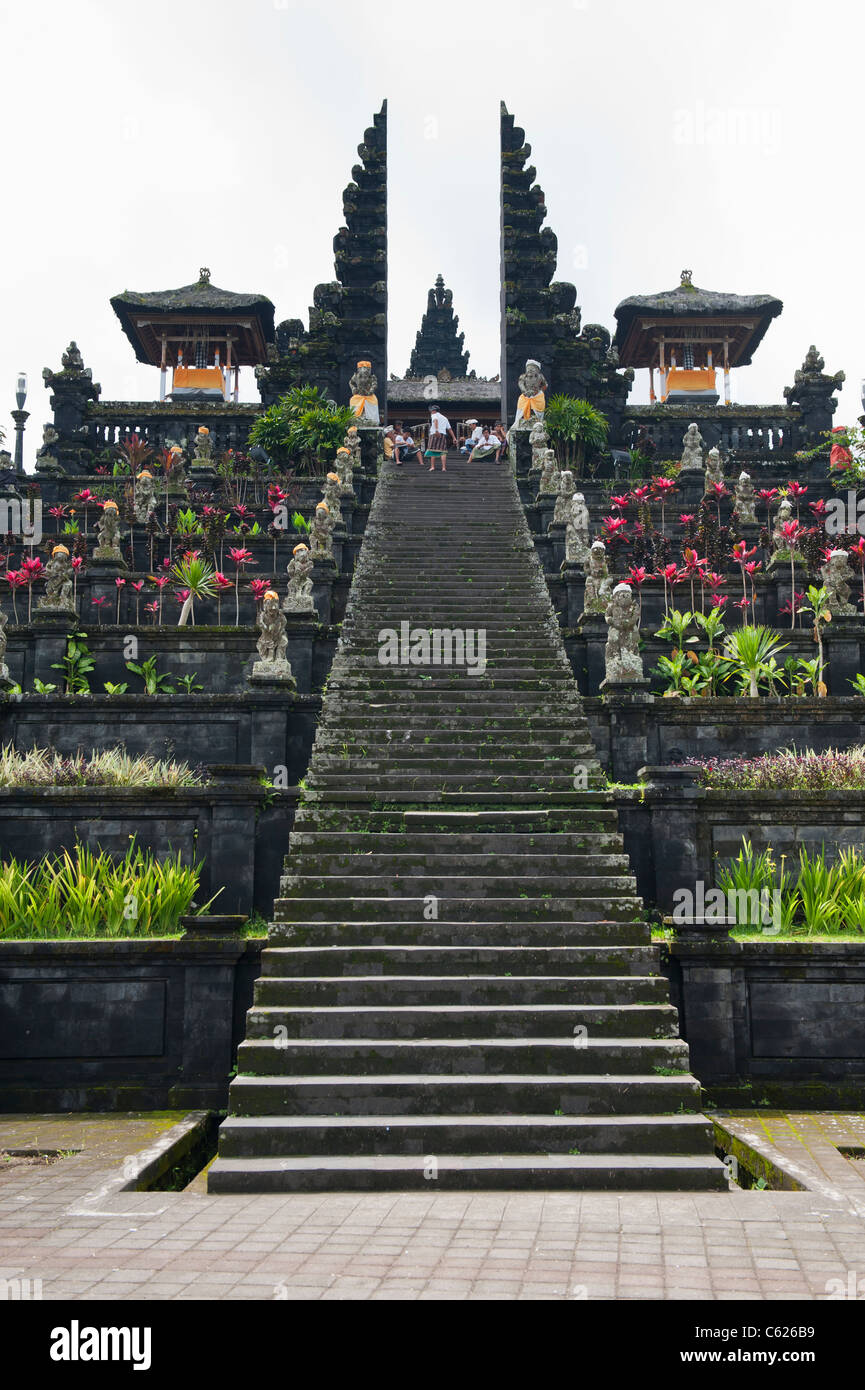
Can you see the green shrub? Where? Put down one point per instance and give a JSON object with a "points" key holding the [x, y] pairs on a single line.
{"points": [[84, 894]]}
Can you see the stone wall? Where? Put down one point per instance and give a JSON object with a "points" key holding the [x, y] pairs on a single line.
{"points": [[773, 1022], [122, 1025]]}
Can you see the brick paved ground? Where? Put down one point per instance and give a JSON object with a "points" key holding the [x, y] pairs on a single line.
{"points": [[69, 1225]]}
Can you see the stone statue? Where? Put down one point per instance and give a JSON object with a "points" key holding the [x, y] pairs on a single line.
{"points": [[330, 493], [108, 529], [837, 579], [692, 455], [58, 581], [743, 507], [345, 472], [4, 669], [567, 489], [72, 359], [539, 440], [599, 585], [549, 484], [577, 531], [364, 401], [203, 453], [46, 460], [321, 533], [714, 470], [145, 498], [272, 642], [532, 402], [621, 655], [352, 443], [177, 472], [298, 599]]}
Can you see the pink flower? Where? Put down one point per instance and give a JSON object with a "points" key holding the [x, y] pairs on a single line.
{"points": [[221, 581], [77, 561], [614, 524], [663, 485], [121, 583], [685, 518], [259, 588], [638, 574], [620, 502], [719, 600], [239, 556], [796, 490], [137, 585]]}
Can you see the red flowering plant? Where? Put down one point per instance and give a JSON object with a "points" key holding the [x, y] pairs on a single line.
{"points": [[663, 488], [240, 558]]}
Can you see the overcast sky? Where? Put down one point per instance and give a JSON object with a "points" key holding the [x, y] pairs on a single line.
{"points": [[144, 140]]}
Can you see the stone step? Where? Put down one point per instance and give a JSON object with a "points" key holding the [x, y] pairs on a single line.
{"points": [[449, 954], [465, 1095], [624, 939], [488, 1056], [528, 865], [457, 909], [335, 798], [486, 845], [287, 1135], [452, 887], [418, 990], [411, 760], [515, 1021]]}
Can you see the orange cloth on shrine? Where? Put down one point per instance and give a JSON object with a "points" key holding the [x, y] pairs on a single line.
{"points": [[691, 379], [527, 404], [359, 403], [199, 379]]}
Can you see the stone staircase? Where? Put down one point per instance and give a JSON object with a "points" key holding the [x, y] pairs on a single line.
{"points": [[458, 989]]}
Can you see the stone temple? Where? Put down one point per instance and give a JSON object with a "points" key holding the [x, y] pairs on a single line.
{"points": [[443, 752]]}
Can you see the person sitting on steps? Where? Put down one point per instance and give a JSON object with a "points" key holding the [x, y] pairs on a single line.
{"points": [[472, 437], [488, 447], [406, 448]]}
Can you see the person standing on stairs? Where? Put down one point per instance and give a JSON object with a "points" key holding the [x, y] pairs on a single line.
{"points": [[437, 445]]}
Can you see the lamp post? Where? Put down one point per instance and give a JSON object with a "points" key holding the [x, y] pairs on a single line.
{"points": [[20, 416]]}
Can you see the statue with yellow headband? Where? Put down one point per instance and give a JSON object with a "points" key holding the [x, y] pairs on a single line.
{"points": [[298, 598], [272, 642], [364, 401], [532, 402], [58, 581]]}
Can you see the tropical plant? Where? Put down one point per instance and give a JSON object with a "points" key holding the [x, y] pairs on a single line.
{"points": [[80, 893], [198, 579], [302, 427], [576, 429], [788, 770], [76, 665], [188, 684], [749, 650], [109, 767], [155, 683], [818, 607]]}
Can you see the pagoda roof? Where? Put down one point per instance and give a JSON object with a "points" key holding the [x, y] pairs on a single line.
{"points": [[145, 315], [742, 318]]}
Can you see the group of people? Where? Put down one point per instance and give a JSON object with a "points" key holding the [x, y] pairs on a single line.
{"points": [[480, 442]]}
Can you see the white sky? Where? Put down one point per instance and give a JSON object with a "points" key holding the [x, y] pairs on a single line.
{"points": [[143, 140]]}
